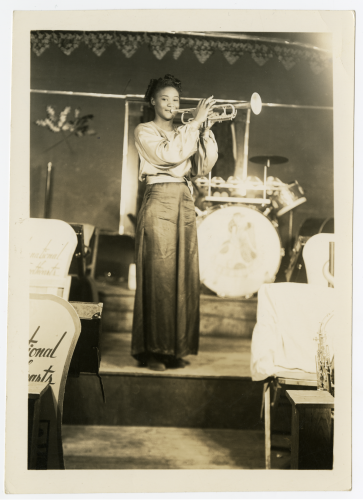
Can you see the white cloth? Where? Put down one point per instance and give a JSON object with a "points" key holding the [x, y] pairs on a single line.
{"points": [[285, 336], [178, 153]]}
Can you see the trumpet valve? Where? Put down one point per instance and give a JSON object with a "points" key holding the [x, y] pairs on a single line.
{"points": [[228, 112]]}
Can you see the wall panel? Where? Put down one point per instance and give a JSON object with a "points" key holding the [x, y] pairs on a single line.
{"points": [[86, 170]]}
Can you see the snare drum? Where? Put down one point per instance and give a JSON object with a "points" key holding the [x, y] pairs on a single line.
{"points": [[239, 250], [287, 197]]}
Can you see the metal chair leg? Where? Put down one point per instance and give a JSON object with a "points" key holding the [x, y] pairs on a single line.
{"points": [[276, 398], [267, 428]]}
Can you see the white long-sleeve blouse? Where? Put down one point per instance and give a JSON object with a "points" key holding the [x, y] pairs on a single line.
{"points": [[179, 153]]}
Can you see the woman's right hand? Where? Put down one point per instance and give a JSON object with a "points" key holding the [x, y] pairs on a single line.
{"points": [[203, 109]]}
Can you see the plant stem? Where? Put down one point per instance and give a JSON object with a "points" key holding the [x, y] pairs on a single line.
{"points": [[56, 144], [59, 142], [71, 150]]}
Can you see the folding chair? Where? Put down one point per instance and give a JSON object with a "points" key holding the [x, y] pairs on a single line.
{"points": [[284, 341]]}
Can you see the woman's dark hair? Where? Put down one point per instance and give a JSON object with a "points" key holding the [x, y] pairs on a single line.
{"points": [[157, 84]]}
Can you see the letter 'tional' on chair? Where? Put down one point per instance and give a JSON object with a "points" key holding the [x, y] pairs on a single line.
{"points": [[54, 328]]}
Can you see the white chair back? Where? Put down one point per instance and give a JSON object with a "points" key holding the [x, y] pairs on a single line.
{"points": [[316, 259], [52, 245], [54, 331]]}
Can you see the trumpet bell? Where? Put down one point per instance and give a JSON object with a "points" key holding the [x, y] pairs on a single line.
{"points": [[228, 111], [256, 103]]}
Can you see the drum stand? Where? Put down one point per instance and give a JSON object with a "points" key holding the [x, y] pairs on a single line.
{"points": [[240, 199], [265, 167], [291, 220], [266, 161]]}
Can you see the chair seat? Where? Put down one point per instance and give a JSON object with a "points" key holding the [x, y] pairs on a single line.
{"points": [[303, 378]]}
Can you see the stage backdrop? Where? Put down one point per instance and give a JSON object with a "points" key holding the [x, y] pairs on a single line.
{"points": [[87, 170]]}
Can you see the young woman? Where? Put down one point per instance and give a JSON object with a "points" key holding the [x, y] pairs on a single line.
{"points": [[166, 312]]}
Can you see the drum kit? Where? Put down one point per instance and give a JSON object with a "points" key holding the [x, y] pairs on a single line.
{"points": [[239, 244]]}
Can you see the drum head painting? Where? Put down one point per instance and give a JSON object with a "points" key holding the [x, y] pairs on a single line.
{"points": [[239, 250]]}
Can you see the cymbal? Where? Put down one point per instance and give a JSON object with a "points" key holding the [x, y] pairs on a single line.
{"points": [[274, 160]]}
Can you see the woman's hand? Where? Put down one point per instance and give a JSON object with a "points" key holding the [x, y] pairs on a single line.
{"points": [[203, 110]]}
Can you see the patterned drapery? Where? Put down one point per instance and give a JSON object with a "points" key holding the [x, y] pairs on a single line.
{"points": [[202, 47]]}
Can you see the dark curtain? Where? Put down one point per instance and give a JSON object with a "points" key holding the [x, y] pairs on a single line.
{"points": [[225, 163]]}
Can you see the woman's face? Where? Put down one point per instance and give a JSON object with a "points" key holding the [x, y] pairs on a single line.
{"points": [[165, 100]]}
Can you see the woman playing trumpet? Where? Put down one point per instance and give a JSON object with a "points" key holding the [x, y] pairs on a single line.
{"points": [[166, 312]]}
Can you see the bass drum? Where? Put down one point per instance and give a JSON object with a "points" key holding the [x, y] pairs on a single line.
{"points": [[239, 250]]}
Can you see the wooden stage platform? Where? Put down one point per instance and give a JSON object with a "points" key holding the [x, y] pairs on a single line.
{"points": [[214, 391], [203, 416], [218, 357]]}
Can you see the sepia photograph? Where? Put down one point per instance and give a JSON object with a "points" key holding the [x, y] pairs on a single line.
{"points": [[182, 249]]}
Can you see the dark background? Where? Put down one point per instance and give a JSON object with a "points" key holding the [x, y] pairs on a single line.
{"points": [[87, 170]]}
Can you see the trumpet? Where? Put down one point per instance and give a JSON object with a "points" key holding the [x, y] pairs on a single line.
{"points": [[222, 112]]}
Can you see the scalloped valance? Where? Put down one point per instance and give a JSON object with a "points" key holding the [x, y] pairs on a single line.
{"points": [[261, 50]]}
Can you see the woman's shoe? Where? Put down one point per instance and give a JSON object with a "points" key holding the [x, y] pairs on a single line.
{"points": [[178, 363], [154, 364]]}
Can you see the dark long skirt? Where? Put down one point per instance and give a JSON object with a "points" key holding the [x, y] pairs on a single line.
{"points": [[166, 312]]}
